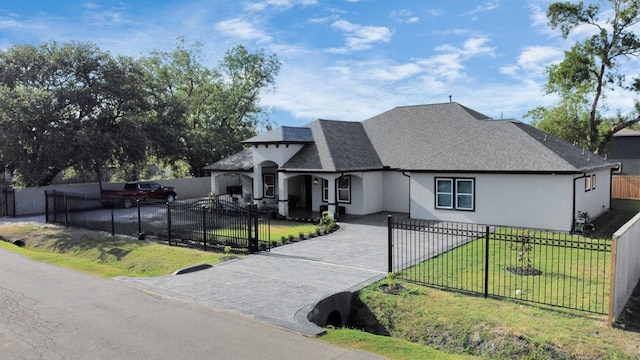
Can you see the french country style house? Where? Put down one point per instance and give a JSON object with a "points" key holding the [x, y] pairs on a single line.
{"points": [[437, 162]]}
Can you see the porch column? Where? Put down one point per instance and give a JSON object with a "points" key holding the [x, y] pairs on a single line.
{"points": [[283, 195], [213, 189], [258, 186], [331, 205]]}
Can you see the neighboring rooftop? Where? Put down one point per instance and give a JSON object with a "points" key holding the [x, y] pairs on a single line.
{"points": [[627, 132]]}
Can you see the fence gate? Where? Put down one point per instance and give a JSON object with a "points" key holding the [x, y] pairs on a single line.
{"points": [[214, 223]]}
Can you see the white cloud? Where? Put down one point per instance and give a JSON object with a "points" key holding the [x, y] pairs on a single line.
{"points": [[404, 16], [536, 58], [538, 16], [241, 29], [360, 37], [276, 4], [396, 72], [102, 16], [471, 47], [532, 62], [486, 7]]}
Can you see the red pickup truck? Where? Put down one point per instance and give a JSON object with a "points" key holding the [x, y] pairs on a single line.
{"points": [[137, 191]]}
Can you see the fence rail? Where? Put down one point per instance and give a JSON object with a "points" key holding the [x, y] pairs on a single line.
{"points": [[208, 223], [552, 268], [625, 187]]}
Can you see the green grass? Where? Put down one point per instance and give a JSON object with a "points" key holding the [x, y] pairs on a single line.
{"points": [[280, 229], [469, 325], [570, 275], [99, 254], [389, 347]]}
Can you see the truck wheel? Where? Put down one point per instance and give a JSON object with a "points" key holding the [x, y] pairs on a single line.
{"points": [[128, 202], [170, 198]]}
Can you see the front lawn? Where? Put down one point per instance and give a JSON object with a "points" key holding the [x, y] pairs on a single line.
{"points": [[99, 253], [567, 270]]}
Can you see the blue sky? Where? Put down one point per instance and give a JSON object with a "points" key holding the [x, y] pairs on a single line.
{"points": [[341, 59]]}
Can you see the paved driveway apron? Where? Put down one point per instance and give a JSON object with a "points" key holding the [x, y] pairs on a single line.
{"points": [[275, 286]]}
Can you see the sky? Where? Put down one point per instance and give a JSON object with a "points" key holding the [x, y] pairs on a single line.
{"points": [[341, 59]]}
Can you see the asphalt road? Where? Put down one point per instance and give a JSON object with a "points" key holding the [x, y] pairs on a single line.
{"points": [[48, 312]]}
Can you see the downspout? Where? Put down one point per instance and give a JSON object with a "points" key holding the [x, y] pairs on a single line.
{"points": [[409, 176], [573, 212], [610, 186]]}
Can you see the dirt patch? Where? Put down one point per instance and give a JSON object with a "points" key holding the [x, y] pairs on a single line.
{"points": [[524, 271]]}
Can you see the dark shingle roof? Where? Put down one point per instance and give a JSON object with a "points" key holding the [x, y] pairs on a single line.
{"points": [[284, 134], [242, 161], [439, 138], [451, 137], [338, 146]]}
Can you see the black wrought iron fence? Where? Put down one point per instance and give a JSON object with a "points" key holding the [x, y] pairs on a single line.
{"points": [[533, 265], [208, 223]]}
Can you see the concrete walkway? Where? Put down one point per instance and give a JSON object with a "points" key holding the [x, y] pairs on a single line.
{"points": [[281, 285]]}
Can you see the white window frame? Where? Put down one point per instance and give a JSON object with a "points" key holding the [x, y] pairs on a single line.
{"points": [[587, 183], [325, 190], [344, 189], [467, 194], [454, 194], [269, 182], [449, 193]]}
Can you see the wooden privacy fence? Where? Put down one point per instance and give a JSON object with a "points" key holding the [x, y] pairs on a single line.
{"points": [[625, 187]]}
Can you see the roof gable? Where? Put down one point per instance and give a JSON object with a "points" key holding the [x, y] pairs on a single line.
{"points": [[338, 146]]}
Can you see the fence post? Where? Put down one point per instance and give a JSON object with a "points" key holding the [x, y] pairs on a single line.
{"points": [[46, 206], [169, 223], [486, 263], [66, 211], [249, 232], [139, 219], [113, 224], [256, 231], [390, 244], [55, 206], [204, 227]]}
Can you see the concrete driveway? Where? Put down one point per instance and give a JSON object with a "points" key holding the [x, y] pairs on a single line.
{"points": [[281, 285]]}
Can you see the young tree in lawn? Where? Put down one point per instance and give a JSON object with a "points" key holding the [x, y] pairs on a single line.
{"points": [[590, 68]]}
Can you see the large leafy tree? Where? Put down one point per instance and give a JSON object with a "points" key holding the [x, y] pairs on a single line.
{"points": [[68, 105], [589, 69], [202, 113]]}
